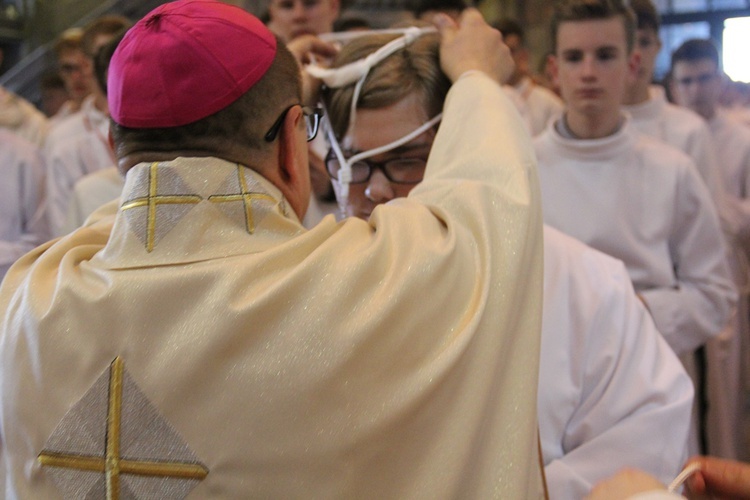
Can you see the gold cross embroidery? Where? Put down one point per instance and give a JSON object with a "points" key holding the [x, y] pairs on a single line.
{"points": [[245, 197], [153, 199], [112, 465]]}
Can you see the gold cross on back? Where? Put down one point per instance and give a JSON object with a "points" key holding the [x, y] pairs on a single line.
{"points": [[244, 196], [112, 465], [153, 200]]}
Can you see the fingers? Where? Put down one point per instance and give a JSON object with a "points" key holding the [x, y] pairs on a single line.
{"points": [[720, 477], [304, 48], [445, 25], [472, 45]]}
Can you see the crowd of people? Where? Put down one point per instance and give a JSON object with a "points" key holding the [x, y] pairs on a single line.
{"points": [[299, 257]]}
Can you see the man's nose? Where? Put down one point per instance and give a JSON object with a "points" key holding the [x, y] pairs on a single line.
{"points": [[299, 10], [379, 189], [588, 70]]}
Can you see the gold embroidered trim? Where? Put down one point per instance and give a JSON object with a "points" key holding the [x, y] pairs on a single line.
{"points": [[245, 197], [153, 199], [112, 465], [93, 464], [114, 414], [137, 468]]}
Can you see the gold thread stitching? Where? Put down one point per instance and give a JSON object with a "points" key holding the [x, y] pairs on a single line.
{"points": [[112, 465], [153, 200], [114, 415], [245, 197], [72, 462]]}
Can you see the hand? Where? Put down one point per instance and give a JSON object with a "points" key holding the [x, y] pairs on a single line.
{"points": [[624, 484], [719, 478], [472, 45], [306, 48]]}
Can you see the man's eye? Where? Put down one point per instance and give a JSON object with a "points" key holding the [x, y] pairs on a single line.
{"points": [[606, 54], [573, 56]]}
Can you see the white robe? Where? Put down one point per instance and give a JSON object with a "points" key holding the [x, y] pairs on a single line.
{"points": [[680, 128], [22, 223], [395, 358], [538, 105], [77, 147], [612, 394], [22, 118], [728, 352], [91, 192], [643, 202], [66, 129], [738, 113]]}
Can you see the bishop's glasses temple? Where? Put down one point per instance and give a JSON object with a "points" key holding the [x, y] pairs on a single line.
{"points": [[312, 121]]}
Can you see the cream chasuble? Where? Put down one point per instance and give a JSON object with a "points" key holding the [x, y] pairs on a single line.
{"points": [[214, 347]]}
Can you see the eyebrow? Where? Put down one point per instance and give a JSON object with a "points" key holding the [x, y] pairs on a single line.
{"points": [[578, 50], [406, 148]]}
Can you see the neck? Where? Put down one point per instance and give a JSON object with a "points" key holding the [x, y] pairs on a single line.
{"points": [[100, 103], [637, 93], [592, 127], [515, 79], [707, 113], [127, 160]]}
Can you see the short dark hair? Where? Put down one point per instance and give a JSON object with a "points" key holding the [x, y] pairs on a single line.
{"points": [[105, 25], [646, 15], [422, 6], [509, 27], [102, 59], [586, 10], [695, 50], [245, 121]]}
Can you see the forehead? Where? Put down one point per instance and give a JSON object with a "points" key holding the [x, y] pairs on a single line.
{"points": [[377, 127], [285, 4], [591, 34], [69, 54], [646, 32], [697, 67]]}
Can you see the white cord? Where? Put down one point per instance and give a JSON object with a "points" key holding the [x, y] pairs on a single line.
{"points": [[347, 36], [683, 476]]}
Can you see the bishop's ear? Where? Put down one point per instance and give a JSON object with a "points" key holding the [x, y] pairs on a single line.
{"points": [[294, 169]]}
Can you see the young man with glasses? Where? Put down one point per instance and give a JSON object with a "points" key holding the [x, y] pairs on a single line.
{"points": [[79, 145], [74, 70], [696, 85], [198, 339], [611, 393]]}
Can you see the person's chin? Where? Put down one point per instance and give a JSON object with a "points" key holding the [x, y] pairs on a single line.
{"points": [[301, 32], [362, 214]]}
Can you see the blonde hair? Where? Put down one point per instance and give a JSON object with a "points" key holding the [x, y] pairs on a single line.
{"points": [[413, 69]]}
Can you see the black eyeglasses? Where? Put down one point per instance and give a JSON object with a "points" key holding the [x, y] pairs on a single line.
{"points": [[397, 170], [312, 120]]}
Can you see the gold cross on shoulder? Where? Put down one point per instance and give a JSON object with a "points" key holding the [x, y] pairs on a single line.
{"points": [[152, 200], [244, 196], [112, 465]]}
